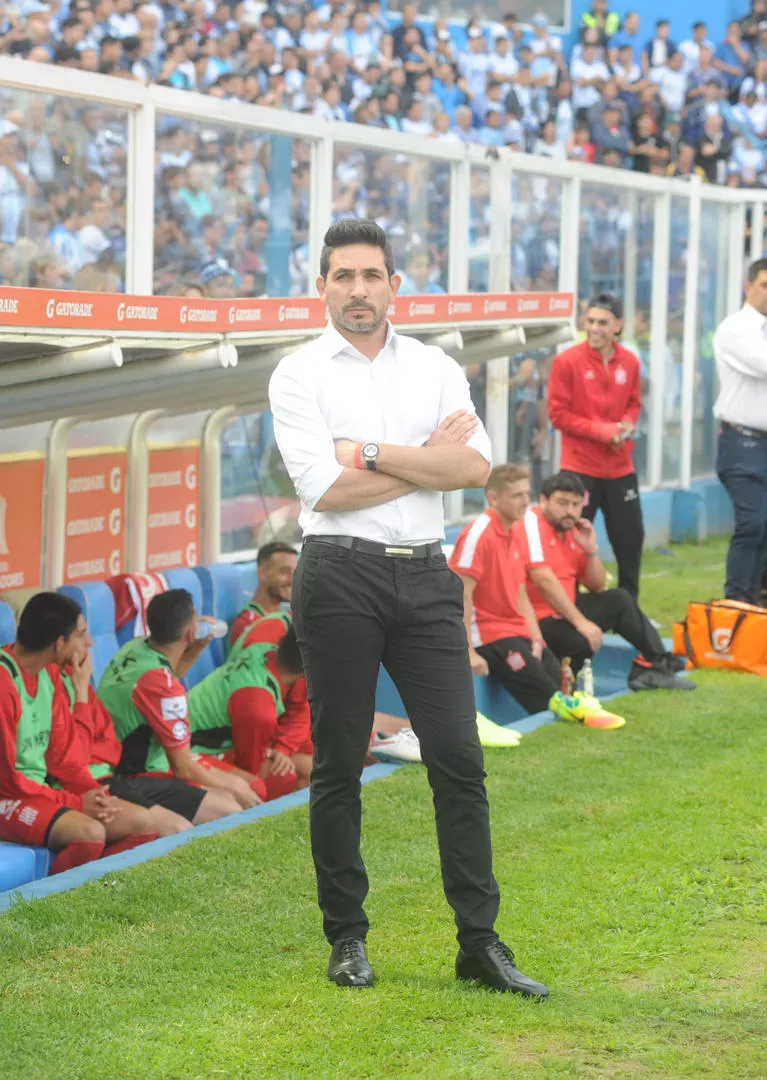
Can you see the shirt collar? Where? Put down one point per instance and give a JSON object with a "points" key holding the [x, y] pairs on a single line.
{"points": [[754, 315], [498, 525], [333, 343], [595, 355]]}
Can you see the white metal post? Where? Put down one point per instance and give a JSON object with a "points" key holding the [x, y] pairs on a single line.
{"points": [[139, 255], [499, 281], [138, 489], [658, 334], [630, 267], [690, 337], [756, 247], [569, 264], [320, 200], [736, 262], [56, 467], [460, 218], [210, 458]]}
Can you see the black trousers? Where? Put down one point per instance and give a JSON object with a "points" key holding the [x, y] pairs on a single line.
{"points": [[530, 681], [614, 610], [353, 612], [618, 500]]}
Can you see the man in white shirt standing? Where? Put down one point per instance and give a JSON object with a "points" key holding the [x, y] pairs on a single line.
{"points": [[373, 427], [588, 75], [740, 348]]}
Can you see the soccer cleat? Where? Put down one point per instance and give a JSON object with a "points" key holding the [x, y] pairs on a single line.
{"points": [[580, 708], [491, 734], [659, 675], [403, 745]]}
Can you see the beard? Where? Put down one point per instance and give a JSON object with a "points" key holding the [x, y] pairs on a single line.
{"points": [[352, 326]]}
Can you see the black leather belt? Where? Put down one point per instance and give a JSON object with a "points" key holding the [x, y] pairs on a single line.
{"points": [[370, 547], [741, 429]]}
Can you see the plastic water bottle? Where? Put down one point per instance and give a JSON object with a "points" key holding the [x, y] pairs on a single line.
{"points": [[216, 629], [587, 677]]}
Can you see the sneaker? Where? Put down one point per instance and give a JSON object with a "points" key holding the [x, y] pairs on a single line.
{"points": [[403, 745], [645, 675], [580, 708], [491, 734]]}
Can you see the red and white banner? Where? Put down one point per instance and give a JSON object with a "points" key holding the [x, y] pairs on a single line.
{"points": [[43, 309], [95, 517], [21, 522], [174, 507]]}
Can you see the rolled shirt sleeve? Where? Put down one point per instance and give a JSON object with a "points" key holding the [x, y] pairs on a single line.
{"points": [[302, 435], [456, 395]]}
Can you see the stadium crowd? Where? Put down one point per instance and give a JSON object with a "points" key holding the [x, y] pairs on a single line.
{"points": [[664, 100]]}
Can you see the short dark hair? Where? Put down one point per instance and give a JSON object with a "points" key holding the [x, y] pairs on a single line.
{"points": [[266, 551], [168, 614], [755, 269], [698, 25], [288, 653], [563, 481], [607, 301], [350, 231], [47, 616]]}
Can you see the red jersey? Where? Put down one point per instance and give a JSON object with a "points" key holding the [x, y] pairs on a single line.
{"points": [[253, 717], [540, 544], [294, 727], [487, 552], [98, 742], [63, 758], [587, 400]]}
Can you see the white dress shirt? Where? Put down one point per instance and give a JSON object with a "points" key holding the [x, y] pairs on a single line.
{"points": [[328, 390], [740, 348]]}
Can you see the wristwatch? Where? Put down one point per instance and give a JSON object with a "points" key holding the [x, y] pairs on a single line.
{"points": [[369, 452]]}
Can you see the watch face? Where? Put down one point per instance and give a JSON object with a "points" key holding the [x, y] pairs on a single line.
{"points": [[370, 451]]}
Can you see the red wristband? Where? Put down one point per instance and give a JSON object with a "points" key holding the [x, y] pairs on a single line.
{"points": [[358, 462]]}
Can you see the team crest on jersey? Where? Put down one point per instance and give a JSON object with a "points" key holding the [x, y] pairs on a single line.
{"points": [[180, 730], [620, 376]]}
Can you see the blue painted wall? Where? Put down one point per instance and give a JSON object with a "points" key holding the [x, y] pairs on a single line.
{"points": [[683, 13]]}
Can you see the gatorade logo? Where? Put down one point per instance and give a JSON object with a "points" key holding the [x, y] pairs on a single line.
{"points": [[721, 638], [458, 307], [115, 521], [232, 313], [190, 477], [114, 563], [495, 306], [191, 554], [120, 312], [190, 515], [183, 314], [281, 315], [50, 308], [115, 480]]}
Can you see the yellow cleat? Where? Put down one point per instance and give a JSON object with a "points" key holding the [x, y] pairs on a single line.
{"points": [[491, 734], [580, 708]]}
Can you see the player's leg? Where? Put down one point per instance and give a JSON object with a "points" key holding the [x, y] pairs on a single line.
{"points": [[625, 529], [562, 639], [427, 657], [523, 675], [595, 495], [302, 763], [341, 601], [76, 839]]}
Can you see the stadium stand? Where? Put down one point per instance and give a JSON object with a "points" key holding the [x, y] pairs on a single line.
{"points": [[674, 103]]}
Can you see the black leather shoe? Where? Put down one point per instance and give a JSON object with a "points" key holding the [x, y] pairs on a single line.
{"points": [[494, 966], [349, 964]]}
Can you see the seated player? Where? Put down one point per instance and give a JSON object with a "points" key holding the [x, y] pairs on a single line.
{"points": [[503, 632], [140, 689], [173, 805], [79, 820], [559, 550], [239, 711], [276, 564]]}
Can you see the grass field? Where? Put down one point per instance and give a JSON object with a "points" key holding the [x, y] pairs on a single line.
{"points": [[633, 878]]}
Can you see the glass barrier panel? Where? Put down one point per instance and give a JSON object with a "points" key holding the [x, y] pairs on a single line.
{"points": [[712, 282], [479, 229], [258, 501], [410, 198], [536, 216], [531, 436], [636, 295], [672, 368], [231, 211], [63, 178]]}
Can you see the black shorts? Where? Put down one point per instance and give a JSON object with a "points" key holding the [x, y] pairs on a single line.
{"points": [[148, 791]]}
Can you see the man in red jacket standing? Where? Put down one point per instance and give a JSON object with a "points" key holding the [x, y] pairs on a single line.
{"points": [[594, 401]]}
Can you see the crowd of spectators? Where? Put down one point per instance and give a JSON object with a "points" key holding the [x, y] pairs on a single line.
{"points": [[233, 205]]}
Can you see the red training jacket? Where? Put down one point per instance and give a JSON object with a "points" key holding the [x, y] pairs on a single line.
{"points": [[587, 400]]}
